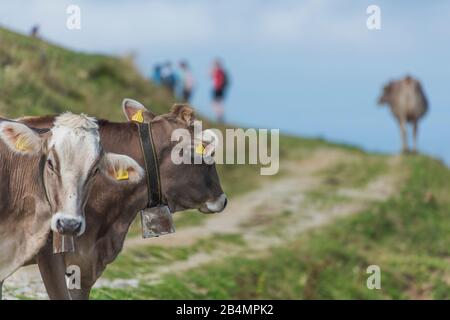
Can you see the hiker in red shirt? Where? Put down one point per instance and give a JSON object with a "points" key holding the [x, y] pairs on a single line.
{"points": [[220, 84]]}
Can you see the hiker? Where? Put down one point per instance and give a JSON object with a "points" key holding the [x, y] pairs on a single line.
{"points": [[187, 82], [168, 77], [34, 32], [156, 76], [220, 84]]}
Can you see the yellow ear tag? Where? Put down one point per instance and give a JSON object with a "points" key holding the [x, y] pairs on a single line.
{"points": [[200, 149], [21, 144], [122, 174], [138, 117]]}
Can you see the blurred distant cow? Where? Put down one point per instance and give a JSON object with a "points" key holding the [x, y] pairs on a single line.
{"points": [[408, 104]]}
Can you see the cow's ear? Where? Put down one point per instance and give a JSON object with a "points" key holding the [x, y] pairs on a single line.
{"points": [[183, 112], [135, 111], [119, 168], [20, 138]]}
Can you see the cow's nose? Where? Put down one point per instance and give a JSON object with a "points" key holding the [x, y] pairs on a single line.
{"points": [[217, 205], [68, 226]]}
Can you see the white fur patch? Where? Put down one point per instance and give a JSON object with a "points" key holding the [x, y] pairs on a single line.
{"points": [[76, 121], [76, 141], [74, 135]]}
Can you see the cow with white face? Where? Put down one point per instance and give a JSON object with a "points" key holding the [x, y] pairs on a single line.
{"points": [[74, 157], [45, 179]]}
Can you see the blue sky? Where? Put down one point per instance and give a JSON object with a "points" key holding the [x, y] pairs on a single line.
{"points": [[306, 67]]}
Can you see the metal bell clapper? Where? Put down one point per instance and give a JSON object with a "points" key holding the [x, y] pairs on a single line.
{"points": [[156, 221]]}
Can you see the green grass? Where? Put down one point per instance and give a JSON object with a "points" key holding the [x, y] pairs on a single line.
{"points": [[142, 260], [190, 218], [40, 78], [240, 179], [408, 236], [323, 198], [355, 173], [352, 174]]}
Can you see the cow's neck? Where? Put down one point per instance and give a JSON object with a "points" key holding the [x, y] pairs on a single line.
{"points": [[22, 182], [123, 138]]}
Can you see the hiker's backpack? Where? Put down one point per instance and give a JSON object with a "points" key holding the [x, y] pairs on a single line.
{"points": [[225, 80]]}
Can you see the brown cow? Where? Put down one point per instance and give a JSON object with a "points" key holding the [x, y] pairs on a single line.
{"points": [[110, 210], [408, 104], [45, 178]]}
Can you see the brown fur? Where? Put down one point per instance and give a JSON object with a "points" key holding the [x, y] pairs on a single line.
{"points": [[183, 112], [111, 209], [31, 186], [24, 213]]}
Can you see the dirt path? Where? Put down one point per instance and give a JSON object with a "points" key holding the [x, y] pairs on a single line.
{"points": [[245, 215], [300, 178], [257, 240]]}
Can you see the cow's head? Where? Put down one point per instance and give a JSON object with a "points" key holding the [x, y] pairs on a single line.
{"points": [[385, 97], [71, 156], [184, 186]]}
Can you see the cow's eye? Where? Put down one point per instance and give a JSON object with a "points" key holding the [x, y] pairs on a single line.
{"points": [[50, 164], [95, 172]]}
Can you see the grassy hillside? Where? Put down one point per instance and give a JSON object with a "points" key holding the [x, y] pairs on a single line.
{"points": [[39, 78], [308, 233]]}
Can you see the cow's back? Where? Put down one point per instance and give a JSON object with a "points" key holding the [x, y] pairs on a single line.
{"points": [[409, 101]]}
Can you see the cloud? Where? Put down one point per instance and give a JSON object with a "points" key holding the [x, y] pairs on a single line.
{"points": [[310, 24]]}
